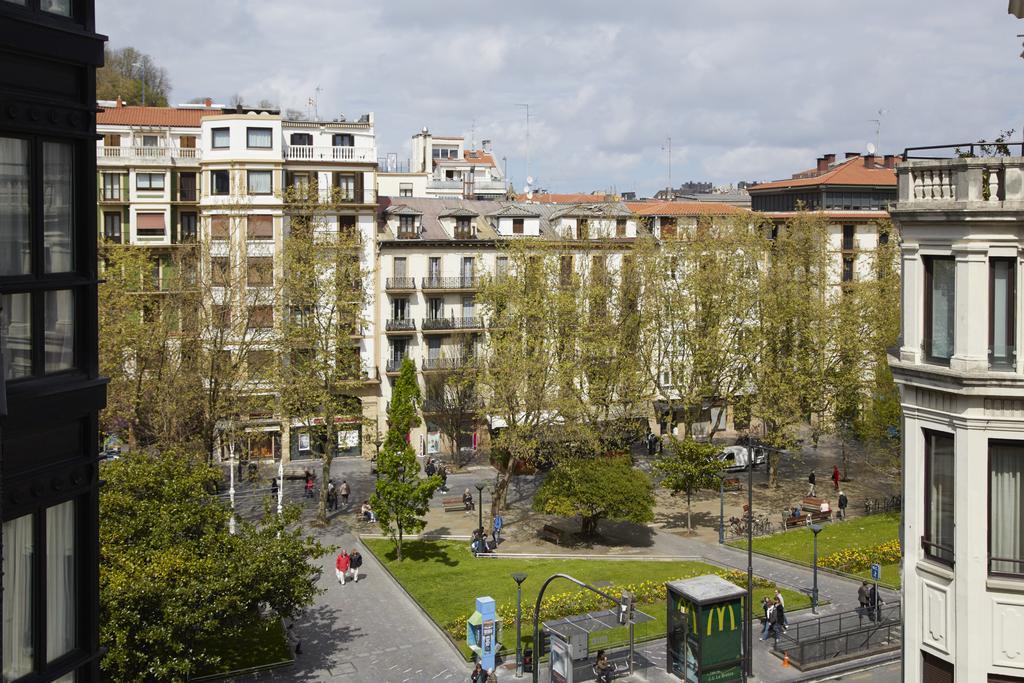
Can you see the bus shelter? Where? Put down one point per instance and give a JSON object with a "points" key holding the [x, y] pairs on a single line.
{"points": [[570, 639]]}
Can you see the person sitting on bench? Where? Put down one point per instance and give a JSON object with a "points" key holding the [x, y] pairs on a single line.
{"points": [[467, 500]]}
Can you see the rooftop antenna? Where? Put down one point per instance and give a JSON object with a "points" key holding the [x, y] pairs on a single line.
{"points": [[472, 134], [878, 126], [671, 191], [529, 179], [313, 102]]}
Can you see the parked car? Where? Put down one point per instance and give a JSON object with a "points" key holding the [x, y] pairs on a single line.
{"points": [[737, 458]]}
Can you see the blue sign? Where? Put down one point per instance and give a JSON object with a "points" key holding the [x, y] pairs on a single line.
{"points": [[876, 572]]}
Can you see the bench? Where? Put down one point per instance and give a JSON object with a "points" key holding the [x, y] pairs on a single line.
{"points": [[553, 534], [732, 484], [453, 504], [810, 504], [791, 522]]}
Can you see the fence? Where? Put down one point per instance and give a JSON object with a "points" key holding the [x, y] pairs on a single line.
{"points": [[875, 506], [842, 636]]}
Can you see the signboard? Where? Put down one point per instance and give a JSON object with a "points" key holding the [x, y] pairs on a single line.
{"points": [[876, 572], [705, 638], [304, 441], [433, 443], [348, 438]]}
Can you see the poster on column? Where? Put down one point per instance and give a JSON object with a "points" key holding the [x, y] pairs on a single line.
{"points": [[433, 443]]}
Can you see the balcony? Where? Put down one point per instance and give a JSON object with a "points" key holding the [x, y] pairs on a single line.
{"points": [[451, 283], [444, 363], [111, 195], [400, 326], [980, 183], [187, 194], [393, 366], [314, 153], [473, 323], [155, 155], [394, 284]]}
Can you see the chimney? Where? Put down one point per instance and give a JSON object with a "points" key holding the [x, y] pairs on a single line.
{"points": [[850, 155], [208, 103], [119, 102], [890, 161], [830, 159], [487, 146], [822, 165], [869, 161]]}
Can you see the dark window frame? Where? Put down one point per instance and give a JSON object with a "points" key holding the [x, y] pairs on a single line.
{"points": [[1010, 312], [518, 226], [927, 338], [214, 187], [109, 234], [150, 175], [927, 544], [262, 173], [186, 234], [213, 137], [1019, 562], [248, 137]]}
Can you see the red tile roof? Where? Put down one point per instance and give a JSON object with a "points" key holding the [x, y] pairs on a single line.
{"points": [[478, 156], [154, 116], [850, 172], [570, 198], [665, 208]]}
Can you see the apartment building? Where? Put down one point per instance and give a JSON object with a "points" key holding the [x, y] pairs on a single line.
{"points": [[854, 194], [962, 385], [50, 389], [431, 256], [442, 167]]}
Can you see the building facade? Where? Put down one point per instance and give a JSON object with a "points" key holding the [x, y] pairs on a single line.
{"points": [[50, 388], [962, 385], [442, 167]]}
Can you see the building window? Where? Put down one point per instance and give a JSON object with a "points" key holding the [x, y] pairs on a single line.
{"points": [[346, 186], [19, 596], [517, 226], [259, 363], [1006, 508], [582, 229], [939, 489], [61, 583], [16, 334], [342, 140], [260, 182], [259, 138], [405, 189], [149, 181], [501, 266], [150, 224], [1002, 301], [220, 271], [398, 266], [261, 317], [112, 186], [220, 138], [883, 237], [848, 231], [620, 227], [939, 307], [668, 227], [61, 7], [59, 317], [221, 316], [301, 139], [407, 226], [847, 269], [260, 271], [187, 187], [112, 226], [400, 309], [219, 228], [189, 222], [435, 308], [15, 221], [220, 182], [463, 228], [260, 228]]}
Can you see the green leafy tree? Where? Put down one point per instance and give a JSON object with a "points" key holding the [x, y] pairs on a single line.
{"points": [[171, 575], [125, 72], [689, 466], [594, 489], [401, 497]]}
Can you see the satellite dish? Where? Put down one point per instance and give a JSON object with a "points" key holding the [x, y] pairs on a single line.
{"points": [[529, 180], [529, 193], [871, 148]]}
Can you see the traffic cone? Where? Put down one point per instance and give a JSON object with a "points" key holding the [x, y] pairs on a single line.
{"points": [[785, 660]]}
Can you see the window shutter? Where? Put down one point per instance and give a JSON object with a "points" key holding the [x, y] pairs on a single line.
{"points": [[359, 189]]}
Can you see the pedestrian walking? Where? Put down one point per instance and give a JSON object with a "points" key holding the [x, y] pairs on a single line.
{"points": [[431, 468], [344, 491], [766, 608], [810, 484], [769, 629], [332, 496], [783, 620], [862, 596], [341, 566], [309, 486], [273, 487], [843, 502], [603, 669], [781, 623], [478, 675], [355, 561], [467, 501], [835, 477], [496, 524], [875, 603], [442, 470]]}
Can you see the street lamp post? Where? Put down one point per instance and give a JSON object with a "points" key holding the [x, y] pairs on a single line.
{"points": [[480, 509], [721, 507], [280, 487], [519, 577], [749, 607], [816, 528], [231, 491]]}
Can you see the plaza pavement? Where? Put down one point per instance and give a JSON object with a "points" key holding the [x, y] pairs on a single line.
{"points": [[372, 631]]}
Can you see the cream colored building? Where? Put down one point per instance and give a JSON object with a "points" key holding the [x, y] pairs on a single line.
{"points": [[962, 385]]}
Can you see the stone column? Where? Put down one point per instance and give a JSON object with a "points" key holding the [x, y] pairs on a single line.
{"points": [[912, 317], [970, 346]]}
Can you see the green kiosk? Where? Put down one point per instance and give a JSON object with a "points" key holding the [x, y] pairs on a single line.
{"points": [[705, 630]]}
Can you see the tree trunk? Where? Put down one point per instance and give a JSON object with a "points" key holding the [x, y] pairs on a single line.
{"points": [[773, 469], [501, 485], [846, 461], [398, 549], [325, 476], [689, 529]]}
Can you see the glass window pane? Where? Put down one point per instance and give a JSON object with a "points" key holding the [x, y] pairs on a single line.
{"points": [[18, 597], [60, 330], [60, 580], [61, 7], [16, 334], [58, 199], [941, 483], [943, 307], [259, 137], [1006, 533], [260, 182], [221, 138], [1001, 311], [15, 242]]}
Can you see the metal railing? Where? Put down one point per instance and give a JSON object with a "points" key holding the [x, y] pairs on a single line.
{"points": [[1016, 562], [470, 323], [393, 364], [841, 635], [961, 149], [108, 194], [312, 152], [876, 506], [462, 282], [400, 283], [151, 153], [445, 363], [401, 325]]}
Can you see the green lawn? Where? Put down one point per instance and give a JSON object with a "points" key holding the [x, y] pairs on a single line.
{"points": [[445, 578], [260, 644], [797, 545]]}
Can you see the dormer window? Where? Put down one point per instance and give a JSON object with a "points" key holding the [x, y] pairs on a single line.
{"points": [[463, 228], [582, 229], [407, 226], [517, 226], [668, 227], [620, 227]]}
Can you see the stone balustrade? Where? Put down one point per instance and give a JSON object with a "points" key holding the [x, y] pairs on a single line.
{"points": [[939, 183]]}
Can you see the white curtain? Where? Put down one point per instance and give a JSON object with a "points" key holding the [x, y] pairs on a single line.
{"points": [[1006, 463], [17, 586], [260, 138], [58, 169], [260, 182], [942, 480], [60, 580], [943, 307]]}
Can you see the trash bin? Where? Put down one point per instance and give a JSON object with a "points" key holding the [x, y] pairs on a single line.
{"points": [[528, 660]]}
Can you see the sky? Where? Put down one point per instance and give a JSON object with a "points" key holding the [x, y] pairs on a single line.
{"points": [[745, 89]]}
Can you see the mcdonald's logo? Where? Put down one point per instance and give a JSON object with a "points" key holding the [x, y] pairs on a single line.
{"points": [[721, 611]]}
